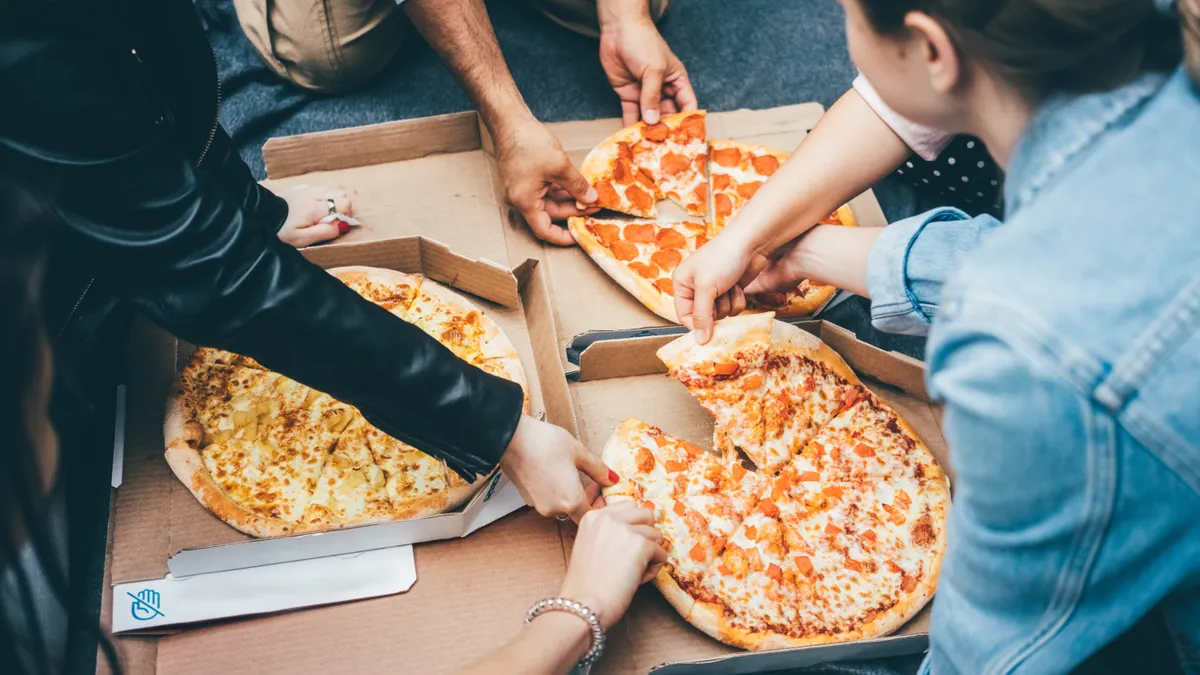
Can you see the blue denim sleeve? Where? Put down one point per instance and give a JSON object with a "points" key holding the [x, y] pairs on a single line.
{"points": [[911, 260], [1019, 447]]}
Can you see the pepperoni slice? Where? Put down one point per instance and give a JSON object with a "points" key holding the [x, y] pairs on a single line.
{"points": [[832, 530], [679, 509], [639, 198], [903, 499], [768, 508], [751, 532], [674, 467], [699, 163], [698, 554], [869, 535], [738, 472], [726, 157], [864, 450], [752, 381], [700, 194], [673, 164], [726, 367], [624, 172], [854, 565], [908, 584], [606, 233], [667, 260], [774, 571], [665, 286], [645, 460], [721, 181], [624, 151], [718, 543], [694, 125], [658, 437], [701, 240], [809, 383], [647, 271], [692, 450], [655, 132], [723, 204], [669, 238], [747, 190], [646, 178], [765, 165], [804, 565], [623, 250], [809, 476], [639, 233], [607, 194], [833, 491], [851, 397]]}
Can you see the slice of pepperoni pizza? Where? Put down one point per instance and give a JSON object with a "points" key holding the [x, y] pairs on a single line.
{"points": [[726, 376], [640, 256], [738, 170], [655, 465], [643, 163]]}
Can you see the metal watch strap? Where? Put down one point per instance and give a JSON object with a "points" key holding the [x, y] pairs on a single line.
{"points": [[579, 610]]}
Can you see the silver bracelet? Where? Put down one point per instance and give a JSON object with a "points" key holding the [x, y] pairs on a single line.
{"points": [[579, 610]]}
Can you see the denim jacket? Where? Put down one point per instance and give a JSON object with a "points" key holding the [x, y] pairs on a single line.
{"points": [[1065, 345]]}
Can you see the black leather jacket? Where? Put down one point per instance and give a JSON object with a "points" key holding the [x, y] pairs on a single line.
{"points": [[110, 107]]}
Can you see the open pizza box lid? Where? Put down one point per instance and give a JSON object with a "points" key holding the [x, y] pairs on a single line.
{"points": [[427, 194]]}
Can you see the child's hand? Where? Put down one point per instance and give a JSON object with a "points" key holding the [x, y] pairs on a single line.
{"points": [[307, 205]]}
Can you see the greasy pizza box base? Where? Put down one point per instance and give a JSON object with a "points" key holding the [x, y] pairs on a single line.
{"points": [[435, 178], [471, 593]]}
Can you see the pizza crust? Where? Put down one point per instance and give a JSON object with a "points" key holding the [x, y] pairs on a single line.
{"points": [[655, 300], [729, 336]]}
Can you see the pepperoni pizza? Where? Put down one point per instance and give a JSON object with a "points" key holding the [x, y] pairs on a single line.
{"points": [[641, 165], [836, 533]]}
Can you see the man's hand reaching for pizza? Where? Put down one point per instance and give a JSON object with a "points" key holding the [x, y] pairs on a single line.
{"points": [[544, 462], [540, 181], [647, 76]]}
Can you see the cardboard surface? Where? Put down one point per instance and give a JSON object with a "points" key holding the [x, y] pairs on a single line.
{"points": [[427, 193], [623, 378]]}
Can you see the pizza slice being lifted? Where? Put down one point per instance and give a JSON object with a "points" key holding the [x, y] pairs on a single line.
{"points": [[643, 163], [640, 255]]}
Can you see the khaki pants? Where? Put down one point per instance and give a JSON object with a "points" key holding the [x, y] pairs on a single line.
{"points": [[335, 45]]}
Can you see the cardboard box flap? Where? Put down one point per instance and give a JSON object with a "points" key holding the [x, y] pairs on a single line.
{"points": [[371, 144], [421, 255], [622, 378]]}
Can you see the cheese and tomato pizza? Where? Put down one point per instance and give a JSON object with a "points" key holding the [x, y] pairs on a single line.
{"points": [[835, 532], [271, 457], [641, 165]]}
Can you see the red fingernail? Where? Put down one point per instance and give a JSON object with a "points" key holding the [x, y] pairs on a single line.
{"points": [[612, 476], [343, 226]]}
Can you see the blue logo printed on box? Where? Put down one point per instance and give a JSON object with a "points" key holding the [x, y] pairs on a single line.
{"points": [[145, 605]]}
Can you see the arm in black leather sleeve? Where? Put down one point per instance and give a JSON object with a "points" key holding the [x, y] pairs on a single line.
{"points": [[182, 249], [260, 206]]}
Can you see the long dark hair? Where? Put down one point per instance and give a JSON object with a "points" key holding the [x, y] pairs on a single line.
{"points": [[24, 502], [1043, 47]]}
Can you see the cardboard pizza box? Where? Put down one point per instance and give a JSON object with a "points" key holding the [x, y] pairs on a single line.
{"points": [[429, 177], [175, 563], [472, 592], [428, 195]]}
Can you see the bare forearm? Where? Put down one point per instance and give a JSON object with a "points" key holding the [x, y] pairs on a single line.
{"points": [[551, 645], [461, 33], [837, 256], [848, 151]]}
